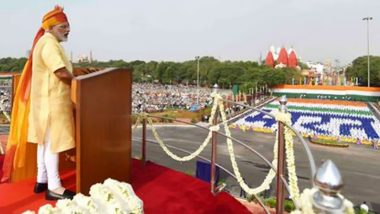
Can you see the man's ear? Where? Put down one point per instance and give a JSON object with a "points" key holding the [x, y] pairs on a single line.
{"points": [[50, 29]]}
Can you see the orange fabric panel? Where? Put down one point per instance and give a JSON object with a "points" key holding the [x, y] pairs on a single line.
{"points": [[18, 152], [328, 87]]}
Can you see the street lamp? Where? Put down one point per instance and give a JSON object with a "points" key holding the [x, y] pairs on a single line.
{"points": [[197, 58], [368, 19]]}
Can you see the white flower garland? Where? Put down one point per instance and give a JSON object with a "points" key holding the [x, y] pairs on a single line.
{"points": [[294, 190], [218, 103], [268, 179], [292, 175], [140, 117], [305, 202], [172, 155], [166, 149]]}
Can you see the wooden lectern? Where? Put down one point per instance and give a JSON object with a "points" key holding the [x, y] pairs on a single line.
{"points": [[103, 127]]}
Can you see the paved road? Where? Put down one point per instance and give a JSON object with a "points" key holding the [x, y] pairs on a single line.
{"points": [[359, 165]]}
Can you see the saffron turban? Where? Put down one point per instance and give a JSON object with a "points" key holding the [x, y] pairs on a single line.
{"points": [[54, 17]]}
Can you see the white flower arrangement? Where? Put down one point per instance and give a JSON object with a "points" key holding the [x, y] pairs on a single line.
{"points": [[47, 209], [29, 212], [106, 199], [86, 202], [110, 197], [305, 203], [124, 192]]}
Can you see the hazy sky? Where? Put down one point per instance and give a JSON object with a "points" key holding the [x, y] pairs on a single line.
{"points": [[179, 30]]}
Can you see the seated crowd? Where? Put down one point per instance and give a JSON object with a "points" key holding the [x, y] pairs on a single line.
{"points": [[150, 97]]}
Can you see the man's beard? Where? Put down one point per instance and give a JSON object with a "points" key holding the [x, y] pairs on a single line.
{"points": [[63, 37]]}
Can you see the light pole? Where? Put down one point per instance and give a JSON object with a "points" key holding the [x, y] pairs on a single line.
{"points": [[197, 58], [368, 19]]}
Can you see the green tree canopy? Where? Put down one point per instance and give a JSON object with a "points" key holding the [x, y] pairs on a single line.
{"points": [[247, 74], [359, 68]]}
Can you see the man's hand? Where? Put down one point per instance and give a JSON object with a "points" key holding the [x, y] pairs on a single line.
{"points": [[64, 75], [83, 71]]}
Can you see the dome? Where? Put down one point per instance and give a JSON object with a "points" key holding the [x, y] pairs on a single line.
{"points": [[292, 61], [282, 57], [269, 60]]}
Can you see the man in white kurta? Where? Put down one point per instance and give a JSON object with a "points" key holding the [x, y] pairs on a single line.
{"points": [[51, 122]]}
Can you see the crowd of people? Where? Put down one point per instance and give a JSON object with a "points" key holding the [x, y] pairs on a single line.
{"points": [[149, 97]]}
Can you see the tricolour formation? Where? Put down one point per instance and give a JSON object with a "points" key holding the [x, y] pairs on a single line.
{"points": [[350, 121]]}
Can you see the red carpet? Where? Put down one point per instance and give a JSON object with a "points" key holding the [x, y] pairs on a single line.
{"points": [[161, 189], [1, 165]]}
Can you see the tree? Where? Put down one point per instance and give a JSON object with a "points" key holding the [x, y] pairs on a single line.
{"points": [[12, 64], [359, 68], [226, 73]]}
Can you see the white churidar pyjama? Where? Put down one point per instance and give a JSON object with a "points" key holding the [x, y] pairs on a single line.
{"points": [[47, 164]]}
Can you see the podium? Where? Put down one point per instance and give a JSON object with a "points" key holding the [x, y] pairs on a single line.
{"points": [[103, 127]]}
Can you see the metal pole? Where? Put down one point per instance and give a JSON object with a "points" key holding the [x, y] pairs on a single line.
{"points": [[280, 161], [197, 80], [214, 146], [143, 148], [280, 169], [368, 60], [369, 80], [213, 154]]}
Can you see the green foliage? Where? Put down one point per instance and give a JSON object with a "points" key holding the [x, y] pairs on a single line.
{"points": [[271, 202], [302, 65], [359, 68], [12, 64], [329, 142], [247, 74], [357, 210], [289, 206]]}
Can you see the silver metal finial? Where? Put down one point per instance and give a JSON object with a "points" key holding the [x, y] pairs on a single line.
{"points": [[283, 102], [215, 88], [329, 182], [328, 177]]}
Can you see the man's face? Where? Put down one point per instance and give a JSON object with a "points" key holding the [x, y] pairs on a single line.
{"points": [[61, 31]]}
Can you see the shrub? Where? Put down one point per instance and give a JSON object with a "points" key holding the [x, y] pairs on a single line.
{"points": [[271, 202], [289, 206]]}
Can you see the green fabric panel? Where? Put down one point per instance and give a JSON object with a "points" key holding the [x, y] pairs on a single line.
{"points": [[316, 109]]}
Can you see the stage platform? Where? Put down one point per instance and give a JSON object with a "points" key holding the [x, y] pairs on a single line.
{"points": [[162, 190]]}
